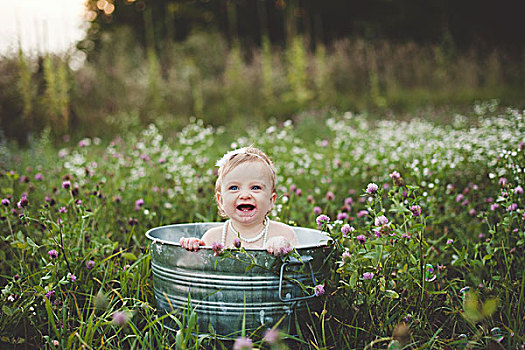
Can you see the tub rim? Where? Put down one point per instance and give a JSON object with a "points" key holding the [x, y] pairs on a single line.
{"points": [[209, 247]]}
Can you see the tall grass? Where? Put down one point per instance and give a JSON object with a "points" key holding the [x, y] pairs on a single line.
{"points": [[203, 77]]}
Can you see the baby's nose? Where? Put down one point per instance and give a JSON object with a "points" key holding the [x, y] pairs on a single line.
{"points": [[245, 194]]}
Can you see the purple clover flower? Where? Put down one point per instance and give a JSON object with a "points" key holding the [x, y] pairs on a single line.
{"points": [[330, 196], [512, 207], [322, 219], [237, 243], [362, 213], [518, 190], [346, 229], [120, 318], [5, 202], [62, 210], [39, 177], [317, 210], [319, 290], [53, 254], [217, 248], [23, 202], [460, 197], [494, 206], [450, 241], [371, 188], [361, 239], [502, 181], [346, 257], [72, 277], [90, 264], [406, 235], [368, 275], [349, 201], [380, 220], [395, 175], [271, 336], [416, 210], [243, 343], [342, 216]]}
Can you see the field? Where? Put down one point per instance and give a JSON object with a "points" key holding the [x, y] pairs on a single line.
{"points": [[427, 221]]}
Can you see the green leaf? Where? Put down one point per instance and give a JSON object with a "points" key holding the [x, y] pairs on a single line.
{"points": [[487, 257], [489, 307], [129, 256], [7, 310], [353, 280], [392, 294]]}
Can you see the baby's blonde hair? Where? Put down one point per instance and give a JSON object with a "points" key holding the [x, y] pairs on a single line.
{"points": [[248, 154]]}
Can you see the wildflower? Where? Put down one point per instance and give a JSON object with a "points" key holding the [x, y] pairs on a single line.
{"points": [[56, 342], [217, 248], [120, 318], [271, 336], [242, 343], [460, 197], [39, 177], [361, 239], [90, 264], [406, 235], [416, 210], [349, 201], [118, 199], [5, 202], [342, 216], [368, 275], [132, 221], [23, 202], [310, 199], [53, 254], [322, 219], [502, 181], [377, 233], [237, 243], [346, 257], [66, 184], [50, 295], [78, 202], [16, 277], [330, 196], [380, 220], [72, 277], [139, 203], [362, 213], [346, 229], [450, 241], [11, 298], [319, 290], [395, 175], [472, 212], [518, 190], [512, 207], [371, 188], [494, 206], [317, 210], [62, 210]]}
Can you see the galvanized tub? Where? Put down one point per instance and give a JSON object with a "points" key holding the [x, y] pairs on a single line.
{"points": [[251, 289]]}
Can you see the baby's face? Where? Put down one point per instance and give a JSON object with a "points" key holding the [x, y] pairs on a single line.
{"points": [[246, 193]]}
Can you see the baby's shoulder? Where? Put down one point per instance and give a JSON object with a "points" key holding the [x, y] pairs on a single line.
{"points": [[214, 234], [281, 229]]}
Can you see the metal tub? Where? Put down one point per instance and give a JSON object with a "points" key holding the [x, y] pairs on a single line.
{"points": [[251, 290]]}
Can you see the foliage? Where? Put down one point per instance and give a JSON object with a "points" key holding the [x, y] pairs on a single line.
{"points": [[427, 227]]}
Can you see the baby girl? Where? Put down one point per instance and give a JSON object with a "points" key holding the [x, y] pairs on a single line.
{"points": [[245, 193]]}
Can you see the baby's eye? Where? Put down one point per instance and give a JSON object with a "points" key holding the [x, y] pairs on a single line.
{"points": [[256, 187], [233, 188]]}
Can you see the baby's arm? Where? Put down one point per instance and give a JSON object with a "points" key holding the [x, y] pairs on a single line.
{"points": [[194, 243], [282, 241]]}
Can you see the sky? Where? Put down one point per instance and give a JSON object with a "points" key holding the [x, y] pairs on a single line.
{"points": [[40, 25]]}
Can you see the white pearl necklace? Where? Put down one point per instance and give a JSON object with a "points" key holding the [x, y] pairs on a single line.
{"points": [[263, 233]]}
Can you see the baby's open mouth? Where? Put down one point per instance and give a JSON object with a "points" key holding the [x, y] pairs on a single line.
{"points": [[246, 207]]}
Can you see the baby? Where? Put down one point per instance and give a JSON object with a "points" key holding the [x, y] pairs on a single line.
{"points": [[245, 193]]}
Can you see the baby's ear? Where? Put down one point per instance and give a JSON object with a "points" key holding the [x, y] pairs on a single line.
{"points": [[273, 198]]}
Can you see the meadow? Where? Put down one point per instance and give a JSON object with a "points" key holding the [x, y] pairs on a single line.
{"points": [[427, 221]]}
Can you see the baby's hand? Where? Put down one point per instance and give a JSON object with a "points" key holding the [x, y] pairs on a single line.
{"points": [[278, 246], [191, 243]]}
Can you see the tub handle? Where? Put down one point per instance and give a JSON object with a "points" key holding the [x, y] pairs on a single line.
{"points": [[305, 260]]}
